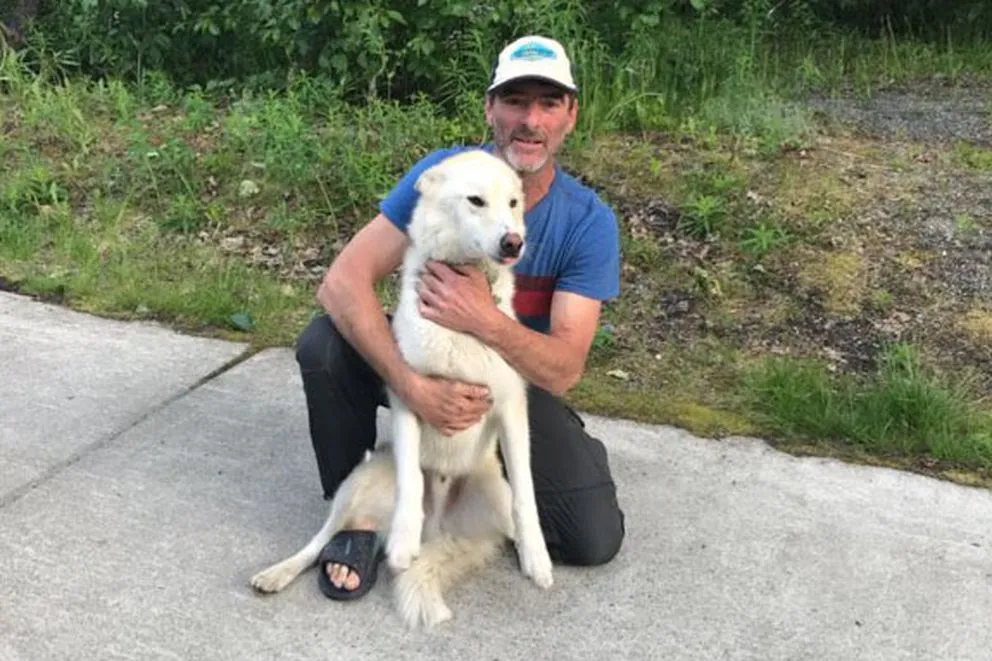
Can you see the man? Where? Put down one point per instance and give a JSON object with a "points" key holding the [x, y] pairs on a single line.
{"points": [[570, 265]]}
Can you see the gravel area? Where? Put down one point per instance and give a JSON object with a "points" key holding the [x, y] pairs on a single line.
{"points": [[951, 214], [933, 114]]}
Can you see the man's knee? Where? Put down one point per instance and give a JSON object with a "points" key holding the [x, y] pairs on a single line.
{"points": [[582, 528], [596, 540]]}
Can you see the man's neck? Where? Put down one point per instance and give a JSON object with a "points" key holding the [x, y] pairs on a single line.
{"points": [[536, 185]]}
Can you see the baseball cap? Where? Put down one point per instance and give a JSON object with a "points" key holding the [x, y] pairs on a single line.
{"points": [[534, 56]]}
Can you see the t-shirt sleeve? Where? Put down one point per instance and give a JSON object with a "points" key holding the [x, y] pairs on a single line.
{"points": [[398, 204], [593, 266]]}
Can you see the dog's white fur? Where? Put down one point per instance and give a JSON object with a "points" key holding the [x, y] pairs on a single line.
{"points": [[442, 502]]}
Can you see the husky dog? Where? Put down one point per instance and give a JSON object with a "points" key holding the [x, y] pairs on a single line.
{"points": [[441, 502]]}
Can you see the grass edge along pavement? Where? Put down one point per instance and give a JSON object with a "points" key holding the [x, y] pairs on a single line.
{"points": [[106, 209]]}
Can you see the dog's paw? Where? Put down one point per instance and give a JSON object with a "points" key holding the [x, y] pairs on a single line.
{"points": [[401, 553], [535, 563], [274, 579], [403, 546]]}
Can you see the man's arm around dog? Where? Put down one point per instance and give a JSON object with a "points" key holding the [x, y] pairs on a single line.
{"points": [[460, 300]]}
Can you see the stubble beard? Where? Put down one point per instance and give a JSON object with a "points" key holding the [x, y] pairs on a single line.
{"points": [[519, 165], [523, 168]]}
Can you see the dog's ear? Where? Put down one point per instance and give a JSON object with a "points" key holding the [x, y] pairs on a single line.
{"points": [[429, 180]]}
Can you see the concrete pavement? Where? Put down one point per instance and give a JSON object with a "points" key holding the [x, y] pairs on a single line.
{"points": [[145, 476]]}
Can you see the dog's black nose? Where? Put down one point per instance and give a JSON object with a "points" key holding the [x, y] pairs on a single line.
{"points": [[510, 245]]}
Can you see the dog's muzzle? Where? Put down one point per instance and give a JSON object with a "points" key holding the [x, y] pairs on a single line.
{"points": [[510, 245]]}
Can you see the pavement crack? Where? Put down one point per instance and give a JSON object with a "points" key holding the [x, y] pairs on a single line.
{"points": [[57, 467]]}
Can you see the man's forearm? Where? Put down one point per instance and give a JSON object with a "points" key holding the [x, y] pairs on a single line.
{"points": [[357, 314], [544, 360]]}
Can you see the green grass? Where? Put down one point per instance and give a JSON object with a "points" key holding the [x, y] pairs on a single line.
{"points": [[972, 157], [118, 204], [902, 411], [119, 263]]}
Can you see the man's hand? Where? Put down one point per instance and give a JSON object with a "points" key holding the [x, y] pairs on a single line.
{"points": [[449, 405], [457, 298]]}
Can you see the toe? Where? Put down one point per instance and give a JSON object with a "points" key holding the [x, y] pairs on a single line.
{"points": [[344, 561], [352, 582], [337, 573], [342, 577]]}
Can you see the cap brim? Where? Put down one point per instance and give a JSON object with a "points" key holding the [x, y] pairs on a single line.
{"points": [[532, 76]]}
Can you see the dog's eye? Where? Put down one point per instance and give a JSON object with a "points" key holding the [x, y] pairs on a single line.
{"points": [[477, 201], [513, 203]]}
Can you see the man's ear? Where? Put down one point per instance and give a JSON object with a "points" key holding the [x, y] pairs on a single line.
{"points": [[573, 113], [489, 109], [429, 180]]}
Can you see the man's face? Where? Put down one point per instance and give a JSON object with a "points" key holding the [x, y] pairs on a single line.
{"points": [[530, 121]]}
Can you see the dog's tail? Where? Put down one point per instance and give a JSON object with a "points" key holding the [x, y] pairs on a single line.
{"points": [[443, 561]]}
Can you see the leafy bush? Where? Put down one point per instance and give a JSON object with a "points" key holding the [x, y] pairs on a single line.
{"points": [[377, 46], [394, 49]]}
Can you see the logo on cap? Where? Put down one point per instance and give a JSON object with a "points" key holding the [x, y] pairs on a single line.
{"points": [[533, 51]]}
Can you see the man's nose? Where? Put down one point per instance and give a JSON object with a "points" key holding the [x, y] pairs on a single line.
{"points": [[534, 116]]}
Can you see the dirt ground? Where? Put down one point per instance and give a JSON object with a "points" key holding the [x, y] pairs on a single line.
{"points": [[926, 229], [892, 206]]}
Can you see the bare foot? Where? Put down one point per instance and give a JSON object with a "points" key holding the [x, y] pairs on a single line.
{"points": [[341, 575]]}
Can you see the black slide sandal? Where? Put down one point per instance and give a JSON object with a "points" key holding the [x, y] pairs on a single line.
{"points": [[361, 551]]}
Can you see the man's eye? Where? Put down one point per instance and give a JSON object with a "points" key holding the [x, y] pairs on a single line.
{"points": [[476, 200]]}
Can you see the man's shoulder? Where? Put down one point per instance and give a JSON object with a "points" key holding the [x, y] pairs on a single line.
{"points": [[581, 195], [439, 154], [434, 157], [398, 204], [588, 234], [584, 202]]}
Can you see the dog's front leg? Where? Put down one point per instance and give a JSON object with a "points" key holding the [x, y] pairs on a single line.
{"points": [[515, 445], [408, 516]]}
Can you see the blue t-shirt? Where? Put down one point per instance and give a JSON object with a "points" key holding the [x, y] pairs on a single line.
{"points": [[572, 241]]}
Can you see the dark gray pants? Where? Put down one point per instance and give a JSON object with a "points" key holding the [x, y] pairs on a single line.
{"points": [[576, 496]]}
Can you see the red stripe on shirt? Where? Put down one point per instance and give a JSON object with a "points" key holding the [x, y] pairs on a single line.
{"points": [[533, 295]]}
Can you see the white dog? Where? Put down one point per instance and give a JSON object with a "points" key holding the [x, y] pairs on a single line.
{"points": [[441, 501]]}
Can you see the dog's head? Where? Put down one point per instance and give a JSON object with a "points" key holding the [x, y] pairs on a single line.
{"points": [[472, 205]]}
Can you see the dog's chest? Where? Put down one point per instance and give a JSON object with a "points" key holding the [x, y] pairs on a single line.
{"points": [[432, 349]]}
